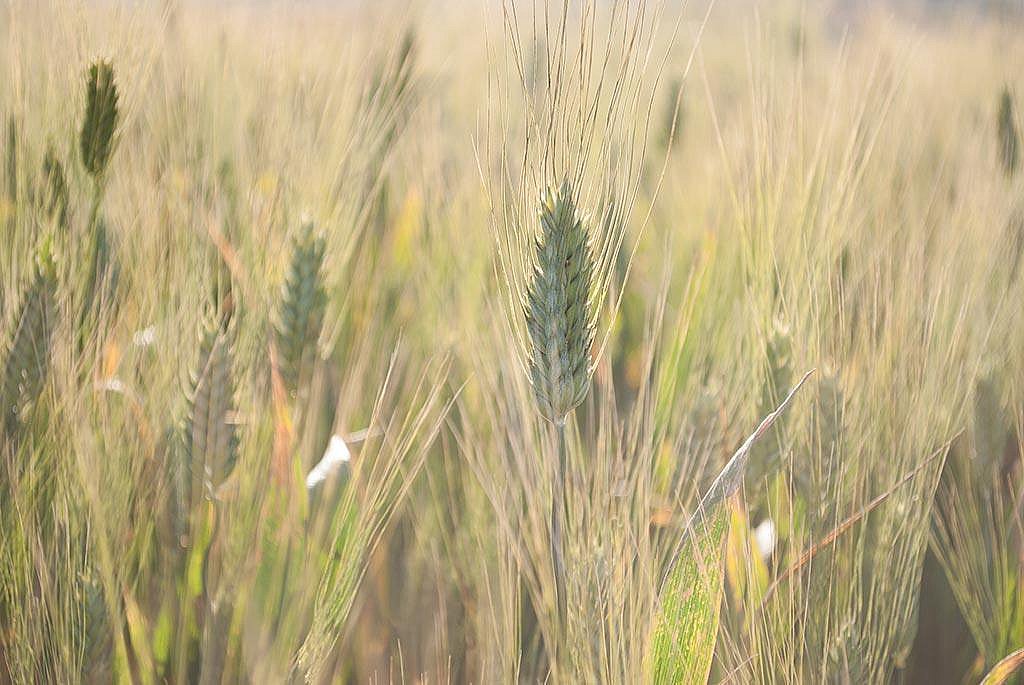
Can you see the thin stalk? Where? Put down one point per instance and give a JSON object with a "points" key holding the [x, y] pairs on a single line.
{"points": [[558, 514], [92, 267]]}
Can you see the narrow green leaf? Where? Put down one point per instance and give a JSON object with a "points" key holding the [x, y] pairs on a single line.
{"points": [[686, 625]]}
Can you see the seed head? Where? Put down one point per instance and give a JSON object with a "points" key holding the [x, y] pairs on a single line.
{"points": [[55, 189], [28, 341], [100, 118], [560, 307], [1009, 140], [209, 435], [301, 314]]}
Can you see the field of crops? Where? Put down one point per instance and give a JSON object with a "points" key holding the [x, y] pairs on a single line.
{"points": [[496, 341]]}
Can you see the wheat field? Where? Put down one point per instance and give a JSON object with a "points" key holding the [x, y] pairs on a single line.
{"points": [[494, 341]]}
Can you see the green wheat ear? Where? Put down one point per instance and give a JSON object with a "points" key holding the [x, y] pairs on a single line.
{"points": [[28, 346], [100, 118], [209, 436], [54, 200], [222, 289], [990, 431], [11, 160], [1009, 139], [766, 458], [828, 416], [560, 307], [301, 315], [100, 277]]}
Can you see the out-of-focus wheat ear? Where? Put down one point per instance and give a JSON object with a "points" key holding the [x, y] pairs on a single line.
{"points": [[765, 458], [11, 161], [173, 510], [96, 630], [222, 294], [990, 428], [28, 344], [54, 199], [101, 114], [829, 419], [1009, 138], [96, 142], [210, 437], [560, 307], [99, 284], [301, 312]]}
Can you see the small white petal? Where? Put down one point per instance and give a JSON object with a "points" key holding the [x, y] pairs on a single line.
{"points": [[145, 337], [335, 455], [114, 385], [764, 537]]}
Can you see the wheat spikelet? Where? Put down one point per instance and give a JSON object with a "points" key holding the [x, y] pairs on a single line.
{"points": [[209, 439], [560, 307], [828, 417], [990, 428], [95, 627], [301, 314], [766, 457], [1009, 139], [28, 348], [100, 121], [96, 141], [100, 278], [11, 160], [54, 200], [222, 292]]}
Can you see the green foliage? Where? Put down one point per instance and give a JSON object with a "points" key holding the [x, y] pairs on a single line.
{"points": [[690, 596], [161, 534], [686, 627]]}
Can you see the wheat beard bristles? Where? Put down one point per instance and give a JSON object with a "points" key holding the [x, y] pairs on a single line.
{"points": [[559, 311]]}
